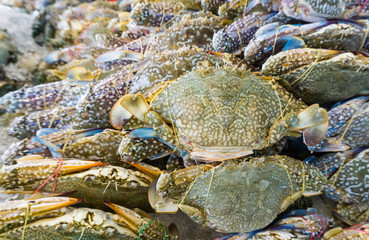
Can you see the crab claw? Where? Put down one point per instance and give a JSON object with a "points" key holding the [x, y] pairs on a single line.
{"points": [[48, 204], [313, 121], [69, 165], [136, 105], [35, 167], [291, 42], [75, 165], [138, 221], [119, 116], [160, 204], [315, 135], [129, 217], [15, 211], [150, 171], [328, 146]]}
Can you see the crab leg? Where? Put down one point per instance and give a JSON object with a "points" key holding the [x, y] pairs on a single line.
{"points": [[141, 224], [14, 213], [30, 168]]}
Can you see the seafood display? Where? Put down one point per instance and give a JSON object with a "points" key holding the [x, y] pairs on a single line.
{"points": [[242, 115]]}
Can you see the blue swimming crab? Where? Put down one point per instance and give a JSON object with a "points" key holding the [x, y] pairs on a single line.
{"points": [[93, 181], [62, 93], [14, 213], [262, 188], [141, 76], [319, 75], [49, 218], [217, 114]]}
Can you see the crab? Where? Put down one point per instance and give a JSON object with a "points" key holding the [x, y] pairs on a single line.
{"points": [[97, 103], [268, 38], [191, 29], [49, 218], [15, 213], [262, 188], [32, 168], [62, 93], [237, 35], [217, 114], [301, 71], [155, 14], [347, 174], [344, 36], [91, 180], [348, 127]]}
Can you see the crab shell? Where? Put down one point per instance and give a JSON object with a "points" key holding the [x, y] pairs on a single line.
{"points": [[252, 193], [219, 114], [49, 219], [319, 75]]}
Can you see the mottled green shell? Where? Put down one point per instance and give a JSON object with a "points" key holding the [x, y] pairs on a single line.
{"points": [[172, 64], [331, 37], [109, 183], [192, 30], [329, 81], [223, 108], [248, 196]]}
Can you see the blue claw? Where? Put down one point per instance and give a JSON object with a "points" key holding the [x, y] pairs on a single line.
{"points": [[291, 42], [145, 133], [54, 150]]}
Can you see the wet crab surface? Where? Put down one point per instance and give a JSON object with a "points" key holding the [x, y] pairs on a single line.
{"points": [[234, 118]]}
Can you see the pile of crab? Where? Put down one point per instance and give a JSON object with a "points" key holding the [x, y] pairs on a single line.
{"points": [[233, 112]]}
